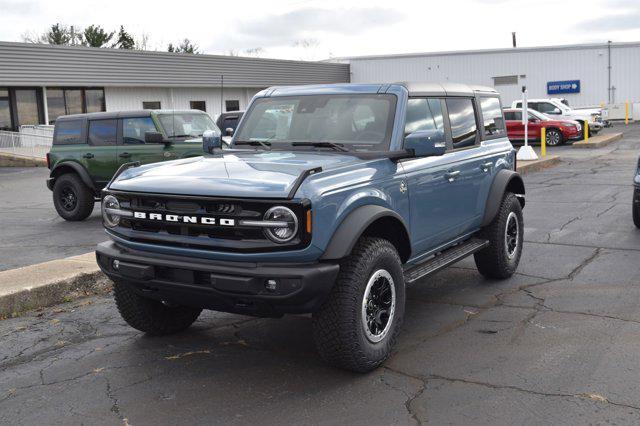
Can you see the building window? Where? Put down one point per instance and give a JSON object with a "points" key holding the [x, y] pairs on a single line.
{"points": [[73, 101], [505, 80], [28, 106], [199, 105], [94, 99], [5, 110], [151, 105], [232, 105]]}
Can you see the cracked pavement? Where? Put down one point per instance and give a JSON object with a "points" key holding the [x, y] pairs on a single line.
{"points": [[556, 343]]}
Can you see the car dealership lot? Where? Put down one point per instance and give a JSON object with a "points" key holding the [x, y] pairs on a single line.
{"points": [[31, 231], [556, 343]]}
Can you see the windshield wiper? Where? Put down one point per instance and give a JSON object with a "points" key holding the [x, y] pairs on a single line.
{"points": [[266, 145], [336, 146]]}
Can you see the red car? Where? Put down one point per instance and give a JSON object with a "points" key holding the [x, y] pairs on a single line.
{"points": [[558, 131]]}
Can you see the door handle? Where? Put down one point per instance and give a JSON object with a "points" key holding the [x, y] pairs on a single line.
{"points": [[125, 155], [486, 166], [451, 176], [88, 155]]}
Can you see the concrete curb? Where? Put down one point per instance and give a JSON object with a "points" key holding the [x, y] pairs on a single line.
{"points": [[541, 163], [50, 283], [598, 141], [14, 160]]}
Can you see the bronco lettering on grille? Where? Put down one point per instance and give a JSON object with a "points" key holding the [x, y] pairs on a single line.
{"points": [[203, 220]]}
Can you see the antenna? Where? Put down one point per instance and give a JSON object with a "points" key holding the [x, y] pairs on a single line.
{"points": [[221, 92], [513, 39]]}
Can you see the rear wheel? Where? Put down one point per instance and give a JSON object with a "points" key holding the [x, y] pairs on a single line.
{"points": [[356, 327], [505, 234], [554, 137], [71, 197], [151, 316]]}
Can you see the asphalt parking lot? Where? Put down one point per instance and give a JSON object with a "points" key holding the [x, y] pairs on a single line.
{"points": [[30, 229], [556, 343]]}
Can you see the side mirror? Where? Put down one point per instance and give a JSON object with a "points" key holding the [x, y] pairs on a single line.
{"points": [[211, 140], [154, 137], [426, 143], [228, 131]]}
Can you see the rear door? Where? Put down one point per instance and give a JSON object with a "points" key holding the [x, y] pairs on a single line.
{"points": [[101, 158], [513, 121]]}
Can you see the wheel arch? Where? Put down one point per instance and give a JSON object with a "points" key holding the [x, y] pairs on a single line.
{"points": [[73, 167], [372, 221], [505, 181]]}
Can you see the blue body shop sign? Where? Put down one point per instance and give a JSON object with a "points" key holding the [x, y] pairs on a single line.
{"points": [[568, 86]]}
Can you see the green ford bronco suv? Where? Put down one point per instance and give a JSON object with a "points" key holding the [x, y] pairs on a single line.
{"points": [[89, 148]]}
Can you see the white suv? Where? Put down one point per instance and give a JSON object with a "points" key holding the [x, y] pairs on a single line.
{"points": [[556, 109]]}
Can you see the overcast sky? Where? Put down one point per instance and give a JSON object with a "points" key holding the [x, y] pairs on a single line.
{"points": [[318, 29]]}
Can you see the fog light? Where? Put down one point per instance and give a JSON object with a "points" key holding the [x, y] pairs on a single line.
{"points": [[116, 264], [271, 285]]}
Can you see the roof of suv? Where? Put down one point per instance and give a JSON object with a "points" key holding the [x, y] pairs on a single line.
{"points": [[130, 114], [415, 89]]}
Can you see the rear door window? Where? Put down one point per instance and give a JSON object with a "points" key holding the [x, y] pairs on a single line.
{"points": [[492, 117], [103, 132], [462, 118], [68, 132], [134, 129]]}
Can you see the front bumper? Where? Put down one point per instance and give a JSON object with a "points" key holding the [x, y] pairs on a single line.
{"points": [[238, 287], [50, 182]]}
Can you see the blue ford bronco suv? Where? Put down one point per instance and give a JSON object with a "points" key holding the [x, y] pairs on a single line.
{"points": [[330, 201]]}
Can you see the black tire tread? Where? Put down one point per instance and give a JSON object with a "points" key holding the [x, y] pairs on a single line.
{"points": [[85, 198], [335, 325], [150, 316], [491, 261]]}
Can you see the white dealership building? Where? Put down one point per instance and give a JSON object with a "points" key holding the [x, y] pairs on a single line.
{"points": [[586, 74], [38, 83]]}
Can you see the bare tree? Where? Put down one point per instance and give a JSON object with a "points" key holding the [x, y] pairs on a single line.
{"points": [[254, 51], [309, 48]]}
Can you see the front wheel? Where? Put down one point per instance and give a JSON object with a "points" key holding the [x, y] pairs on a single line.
{"points": [[554, 137], [357, 325], [505, 234], [150, 316]]}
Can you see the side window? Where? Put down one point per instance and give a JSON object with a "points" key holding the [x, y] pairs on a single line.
{"points": [[492, 117], [546, 107], [463, 122], [423, 114], [519, 104], [103, 132], [133, 129], [68, 132], [509, 116]]}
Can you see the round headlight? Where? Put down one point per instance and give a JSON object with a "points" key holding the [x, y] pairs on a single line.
{"points": [[109, 203], [289, 227]]}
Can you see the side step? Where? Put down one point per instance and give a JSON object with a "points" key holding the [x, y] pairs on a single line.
{"points": [[444, 259]]}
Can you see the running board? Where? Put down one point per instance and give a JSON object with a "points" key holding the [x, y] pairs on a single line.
{"points": [[444, 259]]}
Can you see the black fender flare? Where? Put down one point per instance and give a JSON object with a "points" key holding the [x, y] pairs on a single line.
{"points": [[81, 171], [353, 226], [504, 179]]}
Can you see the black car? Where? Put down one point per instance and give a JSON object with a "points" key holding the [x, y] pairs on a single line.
{"points": [[227, 122]]}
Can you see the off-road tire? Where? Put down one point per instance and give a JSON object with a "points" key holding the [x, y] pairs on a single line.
{"points": [[494, 261], [338, 328], [636, 207], [151, 316], [551, 136], [70, 184]]}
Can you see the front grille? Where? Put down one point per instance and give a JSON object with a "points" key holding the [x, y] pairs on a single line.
{"points": [[235, 238]]}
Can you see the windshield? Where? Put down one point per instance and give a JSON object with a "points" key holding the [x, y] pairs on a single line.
{"points": [[185, 125], [357, 122]]}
